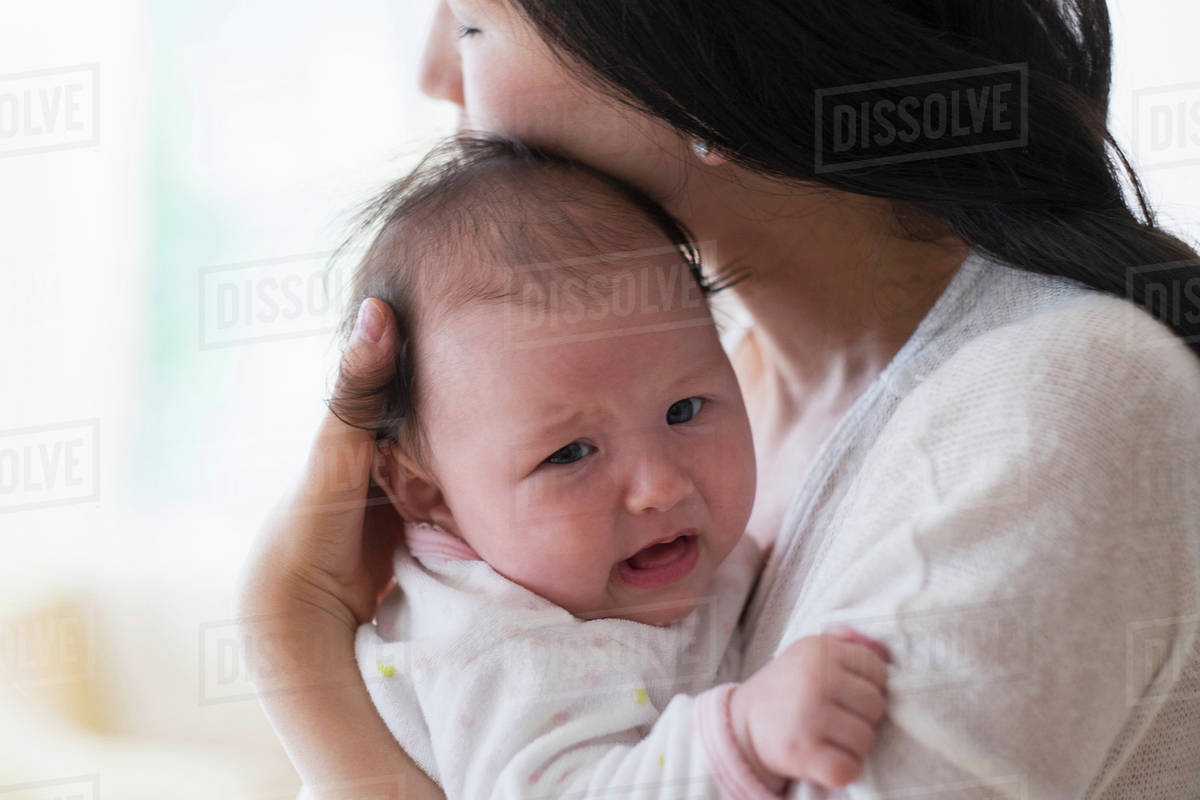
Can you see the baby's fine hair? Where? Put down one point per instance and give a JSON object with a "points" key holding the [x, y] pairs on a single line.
{"points": [[454, 231]]}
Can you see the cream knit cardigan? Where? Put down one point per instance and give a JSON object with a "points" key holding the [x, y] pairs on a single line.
{"points": [[1013, 506]]}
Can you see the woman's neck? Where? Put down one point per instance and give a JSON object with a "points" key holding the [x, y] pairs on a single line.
{"points": [[836, 287]]}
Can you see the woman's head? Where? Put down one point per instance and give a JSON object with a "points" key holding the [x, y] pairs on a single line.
{"points": [[562, 401], [627, 86]]}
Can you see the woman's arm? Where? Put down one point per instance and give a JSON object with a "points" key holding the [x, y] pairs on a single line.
{"points": [[317, 572], [1016, 539], [326, 722]]}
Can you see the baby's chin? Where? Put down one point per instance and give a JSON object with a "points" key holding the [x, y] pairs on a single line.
{"points": [[667, 616], [657, 613]]}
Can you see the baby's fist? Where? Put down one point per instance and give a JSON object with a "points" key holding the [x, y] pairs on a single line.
{"points": [[811, 712]]}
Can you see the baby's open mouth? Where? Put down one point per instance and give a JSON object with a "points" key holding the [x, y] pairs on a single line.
{"points": [[661, 564]]}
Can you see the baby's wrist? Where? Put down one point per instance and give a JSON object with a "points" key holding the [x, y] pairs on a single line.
{"points": [[739, 721]]}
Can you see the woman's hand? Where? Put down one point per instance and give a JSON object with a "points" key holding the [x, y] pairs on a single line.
{"points": [[328, 547], [318, 570]]}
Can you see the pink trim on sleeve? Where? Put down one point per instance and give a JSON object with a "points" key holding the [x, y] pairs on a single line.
{"points": [[425, 539], [728, 763]]}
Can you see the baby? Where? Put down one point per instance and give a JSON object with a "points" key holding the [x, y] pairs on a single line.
{"points": [[567, 439]]}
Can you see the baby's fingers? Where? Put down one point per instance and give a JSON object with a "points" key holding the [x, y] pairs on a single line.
{"points": [[848, 731], [832, 766], [846, 634], [862, 660], [861, 697]]}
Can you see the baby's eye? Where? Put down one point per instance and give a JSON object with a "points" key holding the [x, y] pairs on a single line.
{"points": [[683, 410], [569, 454]]}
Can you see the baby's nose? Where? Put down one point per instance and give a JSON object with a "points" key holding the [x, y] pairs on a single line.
{"points": [[658, 482]]}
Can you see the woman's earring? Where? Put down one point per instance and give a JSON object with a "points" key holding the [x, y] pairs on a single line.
{"points": [[701, 147]]}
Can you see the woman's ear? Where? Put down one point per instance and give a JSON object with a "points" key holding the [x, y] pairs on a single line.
{"points": [[705, 152], [413, 493]]}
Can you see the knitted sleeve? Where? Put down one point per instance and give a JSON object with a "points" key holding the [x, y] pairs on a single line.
{"points": [[1024, 536]]}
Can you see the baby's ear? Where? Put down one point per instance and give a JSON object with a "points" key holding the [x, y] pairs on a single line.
{"points": [[414, 494]]}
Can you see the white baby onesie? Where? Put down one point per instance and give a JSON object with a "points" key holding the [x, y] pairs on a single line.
{"points": [[497, 693]]}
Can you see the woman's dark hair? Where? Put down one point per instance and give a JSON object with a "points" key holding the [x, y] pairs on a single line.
{"points": [[477, 209], [759, 81]]}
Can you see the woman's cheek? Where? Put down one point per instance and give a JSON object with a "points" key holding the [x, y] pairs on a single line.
{"points": [[497, 86], [516, 109], [514, 86]]}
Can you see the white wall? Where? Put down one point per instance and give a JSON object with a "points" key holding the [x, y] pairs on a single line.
{"points": [[1156, 87], [239, 134], [228, 133]]}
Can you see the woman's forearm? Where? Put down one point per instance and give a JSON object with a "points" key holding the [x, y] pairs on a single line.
{"points": [[309, 684], [315, 574]]}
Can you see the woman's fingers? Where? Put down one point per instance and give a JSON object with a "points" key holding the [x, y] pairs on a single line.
{"points": [[383, 530], [339, 465], [335, 533], [369, 358]]}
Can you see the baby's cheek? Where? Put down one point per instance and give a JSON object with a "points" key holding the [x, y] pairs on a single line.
{"points": [[574, 578], [730, 488], [584, 579]]}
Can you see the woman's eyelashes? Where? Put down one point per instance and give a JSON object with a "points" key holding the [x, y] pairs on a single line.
{"points": [[464, 31], [679, 412]]}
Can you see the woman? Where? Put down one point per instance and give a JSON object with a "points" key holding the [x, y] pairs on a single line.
{"points": [[967, 447]]}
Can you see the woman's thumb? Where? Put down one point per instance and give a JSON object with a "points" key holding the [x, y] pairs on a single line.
{"points": [[339, 466], [369, 352], [367, 367]]}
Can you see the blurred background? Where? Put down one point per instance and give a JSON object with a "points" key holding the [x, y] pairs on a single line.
{"points": [[173, 177]]}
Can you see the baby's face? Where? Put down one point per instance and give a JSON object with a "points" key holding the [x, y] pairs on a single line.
{"points": [[603, 459]]}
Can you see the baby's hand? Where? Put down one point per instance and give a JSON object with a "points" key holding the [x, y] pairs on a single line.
{"points": [[810, 714]]}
